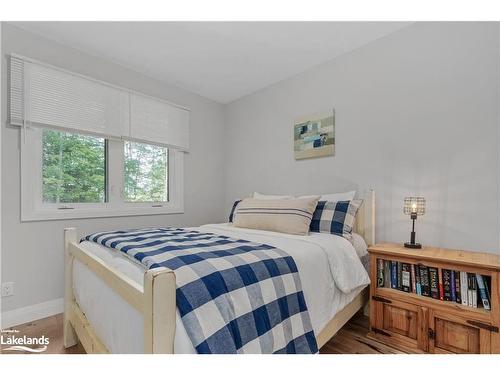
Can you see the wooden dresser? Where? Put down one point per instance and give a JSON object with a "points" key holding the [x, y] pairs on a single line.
{"points": [[420, 324]]}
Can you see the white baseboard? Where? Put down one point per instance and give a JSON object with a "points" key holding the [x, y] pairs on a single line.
{"points": [[30, 313]]}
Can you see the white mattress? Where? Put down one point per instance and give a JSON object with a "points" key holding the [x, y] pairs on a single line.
{"points": [[329, 267]]}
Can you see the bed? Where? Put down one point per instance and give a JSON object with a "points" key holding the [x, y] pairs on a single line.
{"points": [[112, 305]]}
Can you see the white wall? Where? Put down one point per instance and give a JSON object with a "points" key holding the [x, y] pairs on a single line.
{"points": [[416, 113], [32, 253]]}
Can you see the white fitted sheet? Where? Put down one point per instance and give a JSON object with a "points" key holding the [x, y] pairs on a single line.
{"points": [[329, 267]]}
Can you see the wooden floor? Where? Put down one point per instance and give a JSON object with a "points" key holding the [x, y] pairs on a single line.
{"points": [[351, 339]]}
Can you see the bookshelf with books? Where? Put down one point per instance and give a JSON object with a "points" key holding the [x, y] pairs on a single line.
{"points": [[435, 300], [464, 288]]}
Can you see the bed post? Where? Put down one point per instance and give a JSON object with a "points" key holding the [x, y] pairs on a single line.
{"points": [[159, 311], [70, 337]]}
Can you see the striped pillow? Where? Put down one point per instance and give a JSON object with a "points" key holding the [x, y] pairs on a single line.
{"points": [[335, 217], [291, 216], [231, 214]]}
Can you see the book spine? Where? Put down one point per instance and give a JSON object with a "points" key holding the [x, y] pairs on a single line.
{"points": [[463, 288], [458, 287], [441, 288], [380, 272], [413, 280], [387, 274], [394, 275], [488, 295], [424, 281], [453, 288], [417, 279], [474, 291], [400, 275], [447, 285], [405, 277], [434, 282], [482, 292], [469, 290]]}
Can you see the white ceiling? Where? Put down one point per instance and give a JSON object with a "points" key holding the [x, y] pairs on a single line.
{"points": [[222, 61]]}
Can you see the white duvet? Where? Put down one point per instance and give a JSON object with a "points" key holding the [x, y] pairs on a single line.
{"points": [[329, 267]]}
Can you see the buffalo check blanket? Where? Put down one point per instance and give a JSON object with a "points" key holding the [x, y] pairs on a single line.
{"points": [[233, 295]]}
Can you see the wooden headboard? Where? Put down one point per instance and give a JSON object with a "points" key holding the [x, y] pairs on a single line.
{"points": [[365, 219]]}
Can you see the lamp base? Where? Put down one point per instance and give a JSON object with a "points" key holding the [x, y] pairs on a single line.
{"points": [[413, 245]]}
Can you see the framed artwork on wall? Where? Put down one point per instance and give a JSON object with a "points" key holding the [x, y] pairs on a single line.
{"points": [[314, 135]]}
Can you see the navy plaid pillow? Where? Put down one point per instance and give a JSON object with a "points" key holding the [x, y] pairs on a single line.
{"points": [[335, 217], [231, 215]]}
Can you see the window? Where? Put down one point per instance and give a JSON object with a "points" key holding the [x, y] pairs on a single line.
{"points": [[73, 168], [146, 173], [71, 175], [87, 145]]}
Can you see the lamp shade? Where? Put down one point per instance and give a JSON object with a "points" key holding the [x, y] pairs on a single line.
{"points": [[414, 205]]}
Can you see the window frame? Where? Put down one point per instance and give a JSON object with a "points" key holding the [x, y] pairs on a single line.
{"points": [[34, 209]]}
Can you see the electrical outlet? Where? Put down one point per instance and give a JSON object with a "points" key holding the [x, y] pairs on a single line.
{"points": [[7, 289]]}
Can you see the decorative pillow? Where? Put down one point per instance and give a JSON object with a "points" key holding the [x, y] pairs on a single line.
{"points": [[291, 216], [335, 197], [335, 217], [268, 196], [231, 215]]}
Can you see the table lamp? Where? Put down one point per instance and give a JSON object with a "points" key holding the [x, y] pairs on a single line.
{"points": [[414, 206]]}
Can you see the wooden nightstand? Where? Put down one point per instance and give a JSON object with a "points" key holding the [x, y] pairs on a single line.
{"points": [[421, 324]]}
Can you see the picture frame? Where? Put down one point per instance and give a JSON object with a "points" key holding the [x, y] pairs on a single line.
{"points": [[314, 135]]}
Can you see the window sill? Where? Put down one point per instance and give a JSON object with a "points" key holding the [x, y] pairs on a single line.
{"points": [[94, 213]]}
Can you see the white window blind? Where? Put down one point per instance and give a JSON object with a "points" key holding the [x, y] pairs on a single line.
{"points": [[67, 101], [16, 92], [158, 122], [41, 95]]}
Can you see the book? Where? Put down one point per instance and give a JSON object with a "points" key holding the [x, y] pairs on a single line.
{"points": [[452, 284], [486, 287], [413, 280], [458, 287], [434, 282], [405, 277], [463, 288], [424, 280], [469, 290], [481, 286], [400, 276], [387, 274], [474, 291], [447, 285], [394, 274], [440, 285], [417, 279], [380, 272]]}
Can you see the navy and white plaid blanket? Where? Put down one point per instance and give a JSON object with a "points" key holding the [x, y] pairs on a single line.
{"points": [[233, 295]]}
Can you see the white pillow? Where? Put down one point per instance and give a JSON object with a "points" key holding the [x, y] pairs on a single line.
{"points": [[268, 196], [335, 197], [292, 216]]}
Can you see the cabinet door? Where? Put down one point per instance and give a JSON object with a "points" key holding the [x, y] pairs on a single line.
{"points": [[401, 322], [449, 333]]}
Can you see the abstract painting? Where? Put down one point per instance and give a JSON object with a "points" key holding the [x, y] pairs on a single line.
{"points": [[314, 135]]}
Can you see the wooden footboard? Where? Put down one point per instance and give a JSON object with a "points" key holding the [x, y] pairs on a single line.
{"points": [[156, 301]]}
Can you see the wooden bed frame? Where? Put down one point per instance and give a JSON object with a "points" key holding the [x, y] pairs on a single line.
{"points": [[156, 300]]}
